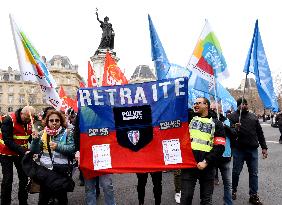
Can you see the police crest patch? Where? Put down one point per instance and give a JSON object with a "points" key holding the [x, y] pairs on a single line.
{"points": [[133, 136]]}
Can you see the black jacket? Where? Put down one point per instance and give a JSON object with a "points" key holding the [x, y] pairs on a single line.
{"points": [[279, 119], [217, 150], [7, 133], [76, 134], [250, 134]]}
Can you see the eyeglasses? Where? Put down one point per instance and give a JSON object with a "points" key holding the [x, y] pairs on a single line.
{"points": [[54, 120], [198, 103]]}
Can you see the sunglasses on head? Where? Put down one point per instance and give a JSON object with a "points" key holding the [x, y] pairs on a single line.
{"points": [[54, 120]]}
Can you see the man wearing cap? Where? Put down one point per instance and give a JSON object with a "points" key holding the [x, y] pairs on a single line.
{"points": [[249, 136]]}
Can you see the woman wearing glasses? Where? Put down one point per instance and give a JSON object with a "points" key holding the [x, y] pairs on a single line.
{"points": [[56, 147]]}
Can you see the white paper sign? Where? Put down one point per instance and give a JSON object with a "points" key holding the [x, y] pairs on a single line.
{"points": [[172, 152], [101, 156]]}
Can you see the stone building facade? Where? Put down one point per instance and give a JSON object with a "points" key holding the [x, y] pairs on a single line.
{"points": [[13, 90], [142, 73]]}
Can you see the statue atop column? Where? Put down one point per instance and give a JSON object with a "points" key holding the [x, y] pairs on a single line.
{"points": [[107, 40]]}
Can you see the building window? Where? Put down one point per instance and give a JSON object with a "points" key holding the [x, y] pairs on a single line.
{"points": [[21, 99], [11, 99], [6, 76], [10, 109], [1, 88], [32, 100], [21, 89], [0, 98], [17, 77], [32, 90], [10, 88]]}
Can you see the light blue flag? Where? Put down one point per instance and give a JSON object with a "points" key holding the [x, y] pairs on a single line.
{"points": [[177, 71], [257, 64], [227, 100], [194, 94], [202, 86], [159, 57]]}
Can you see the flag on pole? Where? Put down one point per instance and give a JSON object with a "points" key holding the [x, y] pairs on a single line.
{"points": [[159, 57], [32, 66], [257, 64], [112, 73], [207, 60], [92, 80], [67, 102]]}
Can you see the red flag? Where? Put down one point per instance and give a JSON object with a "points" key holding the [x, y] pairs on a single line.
{"points": [[92, 82], [81, 85], [112, 73], [66, 101]]}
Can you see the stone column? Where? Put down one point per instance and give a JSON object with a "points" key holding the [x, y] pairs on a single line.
{"points": [[98, 62]]}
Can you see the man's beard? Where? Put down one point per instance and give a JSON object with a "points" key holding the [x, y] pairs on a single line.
{"points": [[244, 111]]}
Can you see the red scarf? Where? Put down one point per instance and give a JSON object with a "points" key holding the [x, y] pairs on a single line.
{"points": [[52, 132]]}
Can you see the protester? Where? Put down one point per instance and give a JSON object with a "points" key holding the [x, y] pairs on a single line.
{"points": [[224, 162], [56, 147], [249, 136], [16, 131], [70, 117], [90, 184], [279, 122], [157, 189], [207, 142]]}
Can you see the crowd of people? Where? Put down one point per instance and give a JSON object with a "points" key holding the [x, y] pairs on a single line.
{"points": [[53, 140]]}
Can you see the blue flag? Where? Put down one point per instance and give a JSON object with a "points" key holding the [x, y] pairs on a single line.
{"points": [[159, 57], [227, 100], [201, 87], [257, 64]]}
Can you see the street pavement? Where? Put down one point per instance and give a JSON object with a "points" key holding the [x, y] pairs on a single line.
{"points": [[270, 182]]}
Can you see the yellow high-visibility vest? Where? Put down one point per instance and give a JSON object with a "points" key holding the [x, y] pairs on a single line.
{"points": [[202, 133]]}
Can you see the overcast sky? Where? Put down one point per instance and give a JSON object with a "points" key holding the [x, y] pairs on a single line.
{"points": [[70, 28]]}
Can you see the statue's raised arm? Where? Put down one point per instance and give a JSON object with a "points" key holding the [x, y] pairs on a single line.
{"points": [[107, 40], [98, 17]]}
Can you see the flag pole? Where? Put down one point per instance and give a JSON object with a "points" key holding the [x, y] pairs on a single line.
{"points": [[243, 98], [215, 95], [19, 62]]}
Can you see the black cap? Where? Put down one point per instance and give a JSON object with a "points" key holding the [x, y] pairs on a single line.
{"points": [[239, 101], [228, 111]]}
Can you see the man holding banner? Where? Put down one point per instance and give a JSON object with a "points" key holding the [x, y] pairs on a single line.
{"points": [[91, 183], [207, 142]]}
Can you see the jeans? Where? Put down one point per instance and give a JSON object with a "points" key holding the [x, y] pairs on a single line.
{"points": [[177, 180], [7, 181], [189, 179], [157, 189], [225, 170], [108, 189], [251, 158]]}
